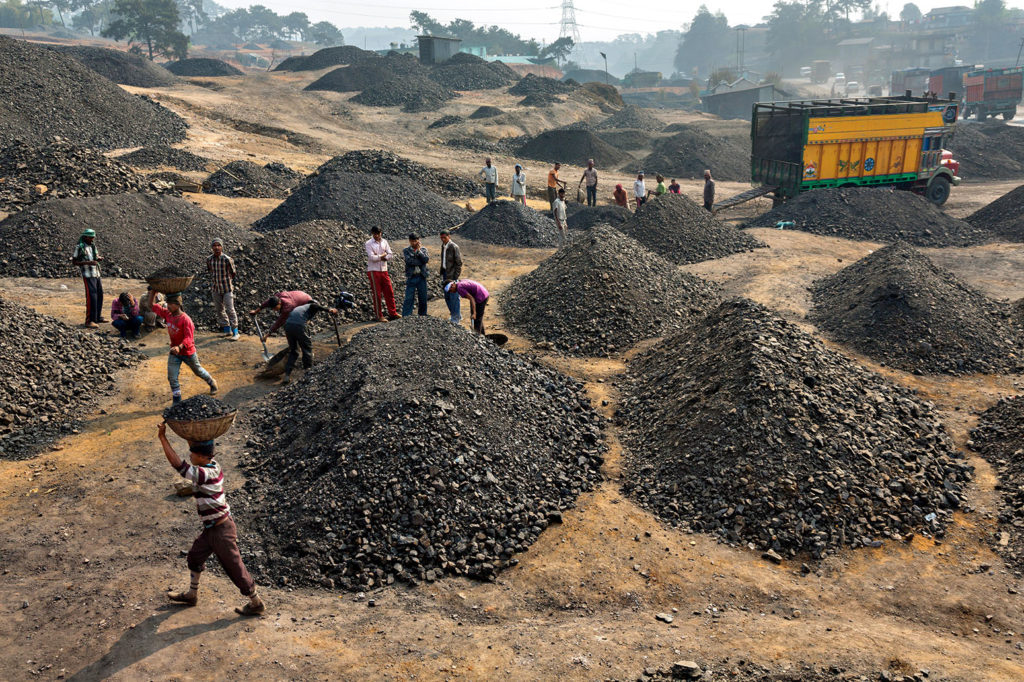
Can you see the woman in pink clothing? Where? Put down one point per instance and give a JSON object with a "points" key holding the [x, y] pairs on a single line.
{"points": [[478, 297]]}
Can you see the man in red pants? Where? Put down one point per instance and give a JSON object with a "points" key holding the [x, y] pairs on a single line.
{"points": [[378, 253]]}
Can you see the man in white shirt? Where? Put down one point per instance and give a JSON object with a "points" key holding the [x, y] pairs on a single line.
{"points": [[590, 175], [519, 185], [558, 210], [639, 190], [378, 253], [490, 175]]}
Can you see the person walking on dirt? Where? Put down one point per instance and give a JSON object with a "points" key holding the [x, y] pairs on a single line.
{"points": [[590, 176], [126, 316], [490, 175], [416, 259], [283, 302], [182, 333], [558, 211], [709, 191], [478, 298], [519, 185], [220, 535], [378, 253], [674, 187], [222, 283], [639, 190], [553, 183], [87, 258], [298, 336], [620, 196], [451, 269]]}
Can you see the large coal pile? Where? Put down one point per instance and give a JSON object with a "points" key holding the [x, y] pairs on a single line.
{"points": [[677, 229], [164, 156], [412, 94], [539, 99], [607, 97], [747, 428], [1004, 217], [532, 84], [582, 217], [999, 438], [689, 153], [53, 374], [64, 169], [361, 76], [135, 233], [445, 121], [120, 67], [873, 214], [626, 138], [329, 56], [486, 111], [590, 298], [388, 163], [632, 116], [247, 179], [202, 67], [375, 467], [509, 223], [573, 147], [990, 150], [46, 94], [468, 72], [898, 307]]}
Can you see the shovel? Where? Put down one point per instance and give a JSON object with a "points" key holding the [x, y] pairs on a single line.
{"points": [[337, 334], [266, 353]]}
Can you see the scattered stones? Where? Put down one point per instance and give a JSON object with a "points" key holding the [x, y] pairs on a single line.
{"points": [[689, 153], [159, 156], [486, 111], [632, 116], [197, 408], [573, 147], [509, 223], [745, 671], [532, 84], [203, 68], [999, 438], [247, 179], [119, 66], [1004, 217], [388, 163], [664, 617]]}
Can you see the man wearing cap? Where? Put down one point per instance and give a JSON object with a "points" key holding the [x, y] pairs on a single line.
{"points": [[283, 302], [590, 175], [222, 283], [451, 269], [639, 190], [416, 259], [378, 253], [490, 175], [519, 185], [182, 333], [87, 258], [709, 191]]}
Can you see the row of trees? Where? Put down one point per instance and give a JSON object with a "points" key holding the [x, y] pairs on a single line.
{"points": [[260, 24], [497, 40]]}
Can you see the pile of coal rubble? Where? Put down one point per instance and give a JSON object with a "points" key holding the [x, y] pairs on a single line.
{"points": [[387, 163], [158, 156], [247, 179], [509, 223], [197, 408]]}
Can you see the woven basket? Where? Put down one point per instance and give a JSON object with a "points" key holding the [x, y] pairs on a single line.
{"points": [[169, 285], [203, 429]]}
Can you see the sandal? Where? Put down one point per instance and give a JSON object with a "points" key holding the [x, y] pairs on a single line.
{"points": [[250, 610], [182, 598]]}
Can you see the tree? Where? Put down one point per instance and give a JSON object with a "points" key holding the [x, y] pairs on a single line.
{"points": [[795, 33], [296, 24], [193, 14], [14, 14], [705, 44], [910, 13], [558, 50], [326, 34], [497, 40], [153, 22]]}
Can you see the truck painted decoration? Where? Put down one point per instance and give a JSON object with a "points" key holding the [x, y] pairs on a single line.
{"points": [[993, 92]]}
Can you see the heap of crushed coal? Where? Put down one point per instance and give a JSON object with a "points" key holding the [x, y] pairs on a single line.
{"points": [[532, 84], [248, 179], [590, 299], [989, 150], [689, 153], [30, 173], [375, 468], [632, 116], [626, 138], [873, 214], [53, 374], [119, 66], [388, 163], [468, 72], [509, 223], [1004, 217], [486, 111], [999, 438], [197, 408], [582, 217], [573, 147], [202, 67], [329, 56], [412, 94], [135, 234], [747, 428], [606, 97], [445, 121], [899, 308], [46, 93], [159, 156], [676, 228], [366, 74]]}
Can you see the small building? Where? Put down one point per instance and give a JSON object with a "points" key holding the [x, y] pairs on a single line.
{"points": [[736, 100], [435, 49], [854, 54]]}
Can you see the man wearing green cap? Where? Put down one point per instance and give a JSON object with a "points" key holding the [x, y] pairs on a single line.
{"points": [[88, 258]]}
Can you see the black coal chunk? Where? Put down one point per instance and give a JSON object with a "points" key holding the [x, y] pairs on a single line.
{"points": [[197, 408]]}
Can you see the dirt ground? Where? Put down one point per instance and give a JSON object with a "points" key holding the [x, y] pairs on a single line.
{"points": [[91, 534]]}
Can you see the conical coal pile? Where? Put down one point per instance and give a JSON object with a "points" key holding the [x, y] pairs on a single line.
{"points": [[509, 223]]}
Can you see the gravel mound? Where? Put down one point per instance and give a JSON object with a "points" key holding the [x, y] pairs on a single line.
{"points": [[573, 147], [45, 93], [468, 72], [381, 161], [412, 94], [999, 438], [873, 214], [747, 428], [629, 138], [582, 217], [120, 67], [197, 408], [689, 153], [53, 375], [632, 116], [590, 299], [539, 99], [445, 121], [676, 228], [1004, 217], [372, 468], [135, 234], [65, 169], [532, 84], [203, 67], [486, 111], [990, 150], [247, 179], [329, 56], [163, 155], [355, 78], [898, 307], [509, 223], [605, 96]]}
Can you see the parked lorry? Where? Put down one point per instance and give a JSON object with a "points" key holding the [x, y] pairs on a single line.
{"points": [[914, 79], [821, 70], [992, 92], [948, 80]]}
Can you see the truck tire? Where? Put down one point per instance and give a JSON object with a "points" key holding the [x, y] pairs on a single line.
{"points": [[938, 190], [1008, 115]]}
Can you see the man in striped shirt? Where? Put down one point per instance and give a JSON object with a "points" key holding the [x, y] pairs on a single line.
{"points": [[222, 280], [219, 536]]}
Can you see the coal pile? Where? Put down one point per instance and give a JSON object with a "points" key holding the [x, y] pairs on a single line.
{"points": [[509, 223], [873, 214], [1004, 217], [445, 121], [164, 156], [689, 153], [373, 468], [627, 138], [590, 299], [197, 408], [899, 308], [991, 151], [532, 84], [747, 428], [47, 94], [469, 72], [53, 375], [539, 99], [582, 217], [573, 147], [135, 234], [999, 438], [120, 67], [356, 77], [412, 94], [486, 111], [64, 169], [679, 230], [388, 163], [170, 272], [327, 57], [632, 116], [247, 179], [202, 67], [607, 97]]}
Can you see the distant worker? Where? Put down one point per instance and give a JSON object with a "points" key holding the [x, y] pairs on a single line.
{"points": [[283, 302], [519, 185], [222, 283], [660, 189], [478, 298], [590, 175], [639, 190], [87, 258], [126, 316], [709, 191], [182, 333], [416, 259], [378, 253], [620, 196], [553, 183], [298, 337], [451, 269], [674, 187], [490, 175], [559, 214]]}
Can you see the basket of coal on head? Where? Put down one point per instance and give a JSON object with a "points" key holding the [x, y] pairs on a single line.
{"points": [[200, 418], [169, 280]]}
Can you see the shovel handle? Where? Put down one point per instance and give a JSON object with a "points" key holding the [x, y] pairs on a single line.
{"points": [[260, 332], [337, 334]]}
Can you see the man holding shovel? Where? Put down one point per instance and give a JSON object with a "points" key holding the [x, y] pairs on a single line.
{"points": [[298, 336], [284, 302]]}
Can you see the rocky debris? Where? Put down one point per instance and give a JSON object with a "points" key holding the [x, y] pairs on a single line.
{"points": [[247, 179], [164, 156], [627, 138], [387, 163], [327, 57], [591, 298], [375, 468], [582, 217], [486, 111], [119, 66], [469, 72], [197, 408], [676, 228], [988, 150], [573, 147], [506, 145], [746, 671], [999, 438], [135, 234], [445, 121], [532, 84], [47, 94], [899, 308], [170, 272], [59, 169], [632, 116], [412, 94], [53, 375], [1004, 217], [747, 428], [509, 223], [202, 67], [689, 153], [539, 99], [873, 214]]}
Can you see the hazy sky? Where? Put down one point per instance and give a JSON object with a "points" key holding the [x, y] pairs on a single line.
{"points": [[597, 19]]}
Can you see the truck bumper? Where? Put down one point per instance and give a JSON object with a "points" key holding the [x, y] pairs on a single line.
{"points": [[956, 180]]}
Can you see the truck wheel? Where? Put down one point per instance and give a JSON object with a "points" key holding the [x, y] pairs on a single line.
{"points": [[981, 115], [1008, 115], [938, 190]]}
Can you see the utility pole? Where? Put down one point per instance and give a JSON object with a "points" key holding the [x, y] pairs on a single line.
{"points": [[605, 67], [741, 44], [568, 28], [1019, 50]]}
